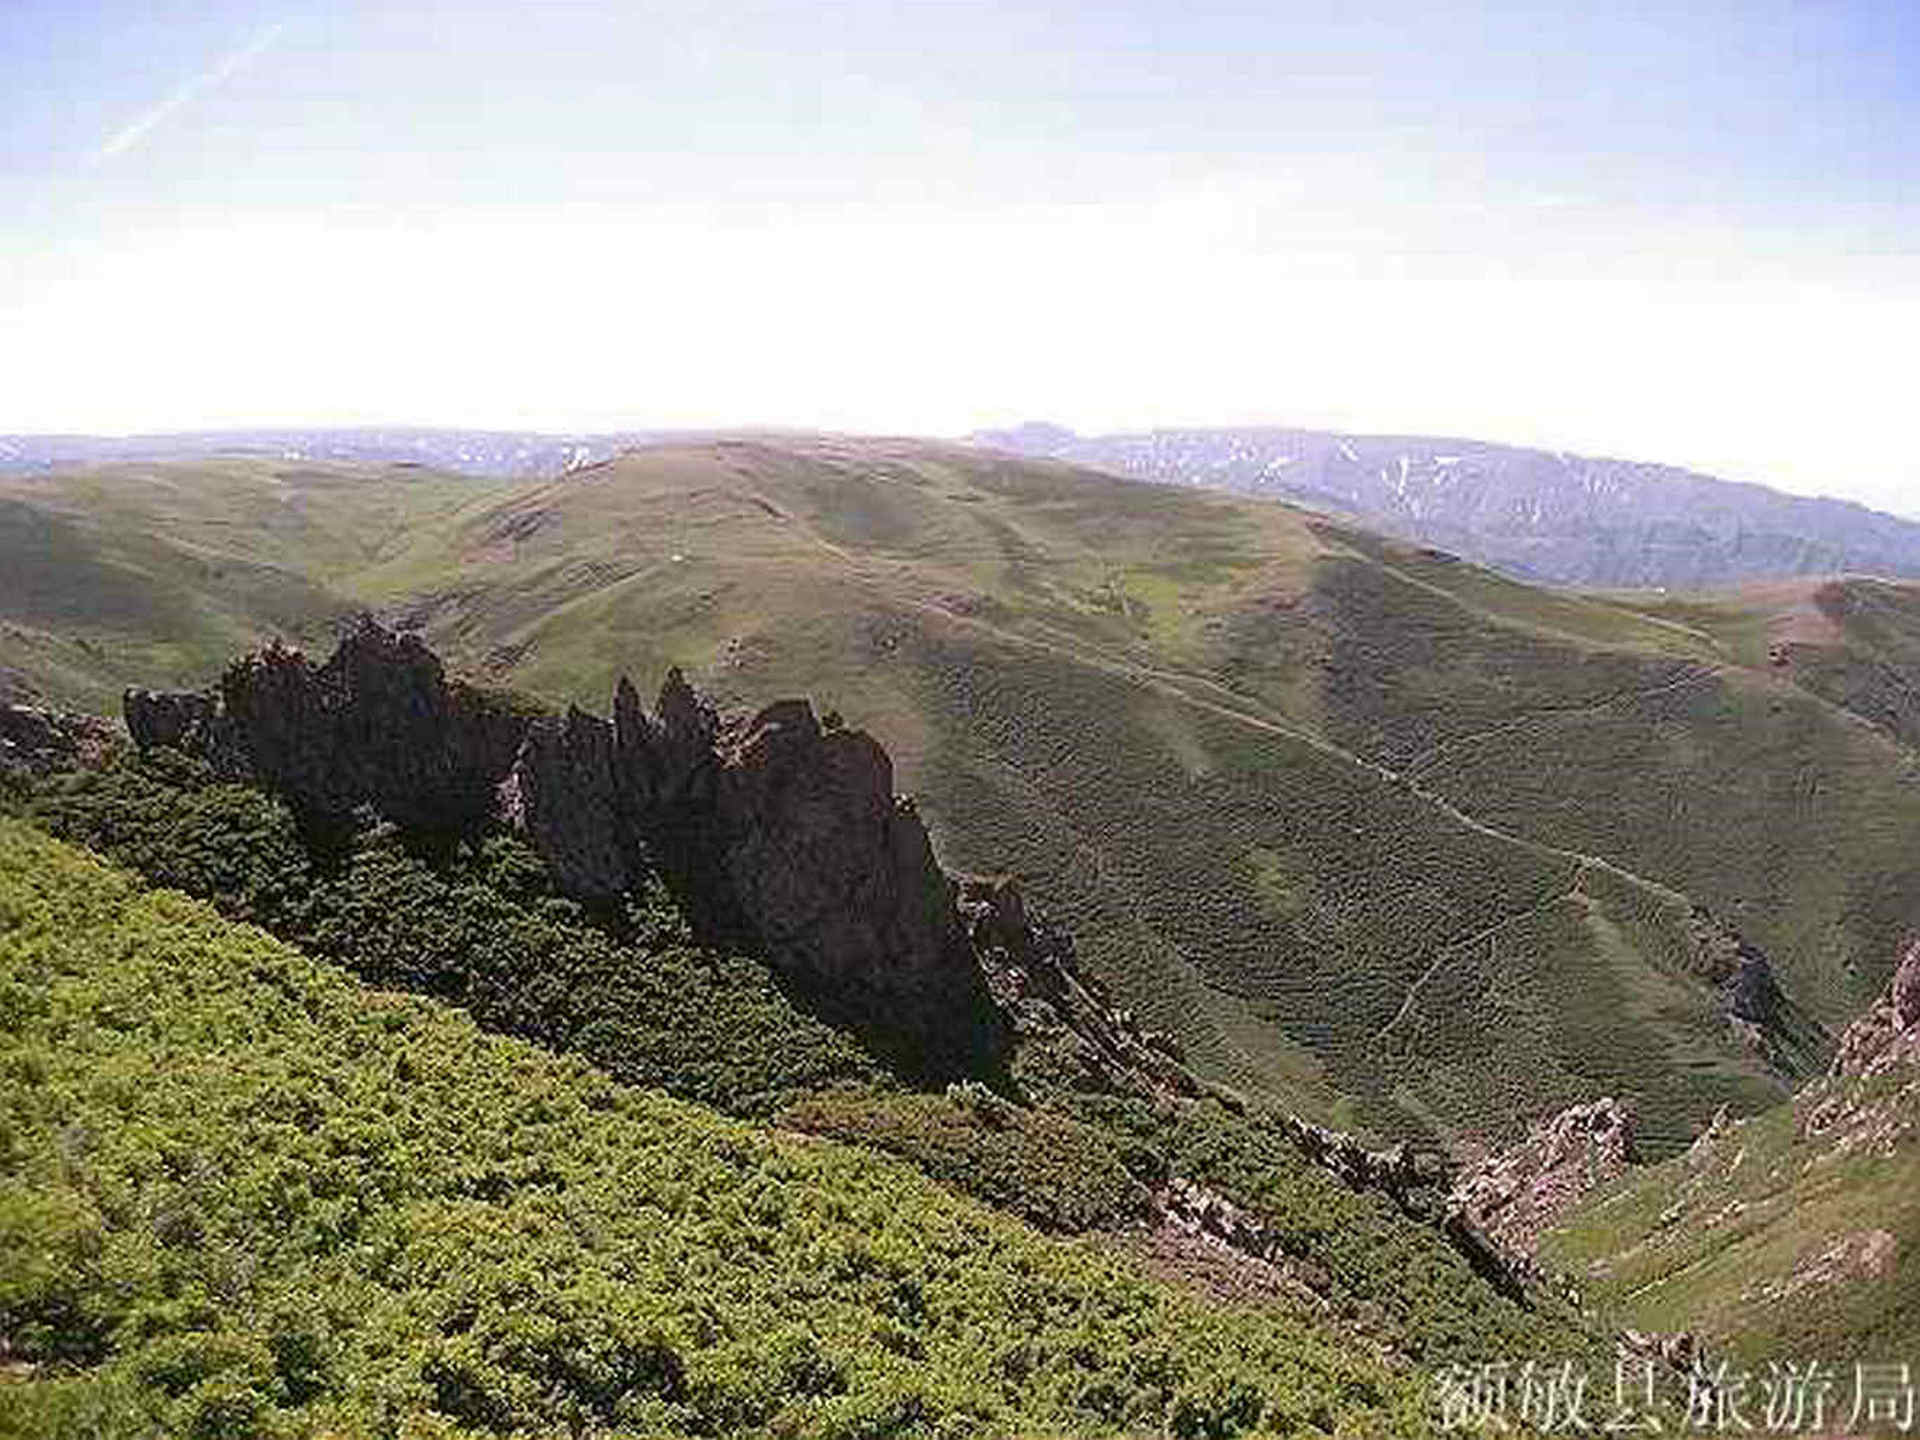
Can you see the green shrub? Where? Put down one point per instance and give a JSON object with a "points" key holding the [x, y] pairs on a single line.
{"points": [[478, 925], [504, 1241], [1056, 1172]]}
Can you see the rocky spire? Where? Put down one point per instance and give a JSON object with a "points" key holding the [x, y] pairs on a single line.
{"points": [[780, 833]]}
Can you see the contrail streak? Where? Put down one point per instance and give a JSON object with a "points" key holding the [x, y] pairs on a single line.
{"points": [[218, 74]]}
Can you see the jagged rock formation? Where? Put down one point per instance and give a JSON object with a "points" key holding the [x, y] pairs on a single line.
{"points": [[1513, 1196], [1402, 1172], [1183, 1205], [782, 831], [379, 724], [1889, 1033], [791, 828], [1036, 978], [38, 742], [177, 720], [833, 869], [560, 793]]}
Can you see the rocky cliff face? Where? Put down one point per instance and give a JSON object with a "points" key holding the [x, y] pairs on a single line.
{"points": [[789, 829], [1889, 1033], [1883, 1047], [177, 720], [378, 724], [1513, 1196], [560, 793], [781, 831], [1036, 978]]}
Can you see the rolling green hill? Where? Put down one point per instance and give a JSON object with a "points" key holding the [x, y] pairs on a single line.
{"points": [[164, 571], [1400, 842]]}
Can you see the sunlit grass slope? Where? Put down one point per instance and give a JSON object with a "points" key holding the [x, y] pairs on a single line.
{"points": [[1183, 716], [156, 574], [245, 1197], [1773, 1242]]}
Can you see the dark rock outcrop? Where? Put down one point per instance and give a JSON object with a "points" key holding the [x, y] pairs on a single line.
{"points": [[377, 725], [178, 720], [831, 867], [37, 742], [560, 794], [779, 831], [790, 833], [1037, 980]]}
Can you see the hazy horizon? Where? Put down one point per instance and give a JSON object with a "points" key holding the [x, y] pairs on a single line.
{"points": [[1683, 238]]}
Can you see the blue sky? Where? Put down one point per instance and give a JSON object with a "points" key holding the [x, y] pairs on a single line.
{"points": [[1686, 232]]}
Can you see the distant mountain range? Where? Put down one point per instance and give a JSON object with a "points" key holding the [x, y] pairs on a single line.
{"points": [[1537, 514], [515, 453]]}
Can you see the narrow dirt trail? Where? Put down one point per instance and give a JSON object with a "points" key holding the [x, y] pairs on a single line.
{"points": [[1426, 758], [1196, 691]]}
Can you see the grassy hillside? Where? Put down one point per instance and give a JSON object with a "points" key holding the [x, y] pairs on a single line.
{"points": [[254, 1199], [1182, 716], [156, 574], [1408, 845], [1771, 1241], [1854, 640]]}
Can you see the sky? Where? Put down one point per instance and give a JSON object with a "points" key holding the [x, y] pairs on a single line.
{"points": [[1686, 232]]}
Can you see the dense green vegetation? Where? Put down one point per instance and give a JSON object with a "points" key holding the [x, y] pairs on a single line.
{"points": [[1057, 1173], [632, 995], [256, 1199], [477, 925]]}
